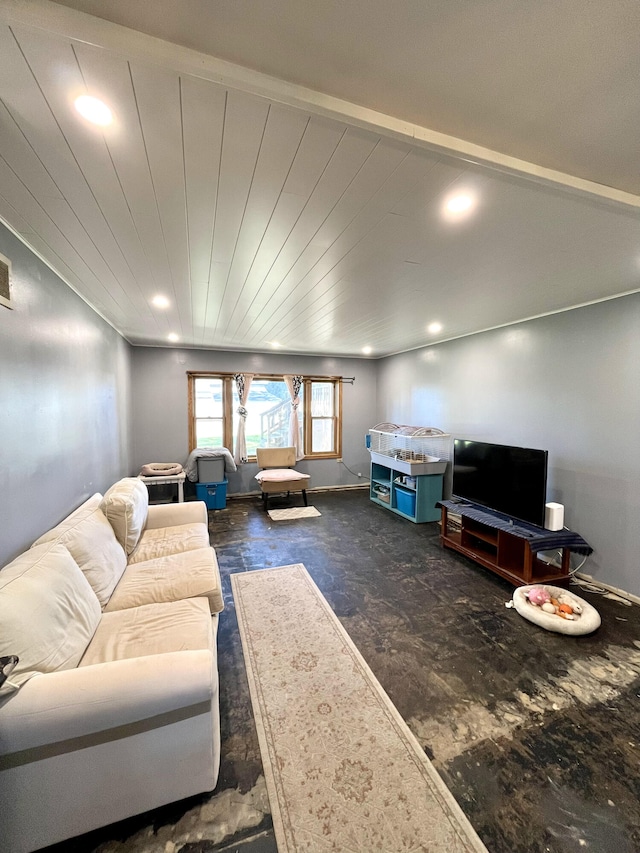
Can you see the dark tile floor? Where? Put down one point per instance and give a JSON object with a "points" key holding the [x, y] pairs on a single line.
{"points": [[537, 735]]}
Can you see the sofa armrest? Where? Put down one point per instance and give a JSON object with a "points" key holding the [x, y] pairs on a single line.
{"points": [[171, 515], [73, 703]]}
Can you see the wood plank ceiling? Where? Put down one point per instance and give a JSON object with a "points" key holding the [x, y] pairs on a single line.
{"points": [[269, 224]]}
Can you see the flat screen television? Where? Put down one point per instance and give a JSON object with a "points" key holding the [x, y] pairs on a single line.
{"points": [[511, 480]]}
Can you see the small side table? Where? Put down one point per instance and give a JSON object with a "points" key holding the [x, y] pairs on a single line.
{"points": [[177, 479]]}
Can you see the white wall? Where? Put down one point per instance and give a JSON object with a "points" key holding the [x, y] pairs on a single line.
{"points": [[568, 383], [64, 402], [160, 415]]}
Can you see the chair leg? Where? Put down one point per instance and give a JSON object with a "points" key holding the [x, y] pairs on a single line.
{"points": [[304, 495]]}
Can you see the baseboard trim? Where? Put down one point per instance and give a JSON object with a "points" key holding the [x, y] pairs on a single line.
{"points": [[237, 495], [339, 488], [614, 589]]}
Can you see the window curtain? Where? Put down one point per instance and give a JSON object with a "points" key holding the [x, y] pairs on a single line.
{"points": [[243, 383], [294, 384]]}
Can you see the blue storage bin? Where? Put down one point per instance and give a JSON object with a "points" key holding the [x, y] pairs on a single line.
{"points": [[213, 494], [406, 501]]}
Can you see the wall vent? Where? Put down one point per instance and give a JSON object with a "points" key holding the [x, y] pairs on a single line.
{"points": [[5, 282]]}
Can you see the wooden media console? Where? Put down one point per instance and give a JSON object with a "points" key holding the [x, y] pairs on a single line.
{"points": [[506, 546]]}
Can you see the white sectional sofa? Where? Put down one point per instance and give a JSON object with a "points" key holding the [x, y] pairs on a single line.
{"points": [[112, 708]]}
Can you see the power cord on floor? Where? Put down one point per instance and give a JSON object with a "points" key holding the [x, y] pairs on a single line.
{"points": [[589, 587], [573, 572], [579, 582], [557, 560], [355, 473], [583, 584]]}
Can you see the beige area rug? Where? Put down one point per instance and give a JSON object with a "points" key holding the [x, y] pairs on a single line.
{"points": [[344, 773], [292, 512]]}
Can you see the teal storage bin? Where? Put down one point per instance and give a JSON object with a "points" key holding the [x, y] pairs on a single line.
{"points": [[213, 494], [406, 501]]}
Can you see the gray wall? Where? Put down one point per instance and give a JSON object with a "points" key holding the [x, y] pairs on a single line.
{"points": [[64, 402], [569, 384], [73, 393], [160, 419]]}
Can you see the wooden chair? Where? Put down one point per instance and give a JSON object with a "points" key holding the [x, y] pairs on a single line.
{"points": [[278, 475]]}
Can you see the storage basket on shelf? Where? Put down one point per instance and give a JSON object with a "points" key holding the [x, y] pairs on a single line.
{"points": [[383, 493], [406, 501]]}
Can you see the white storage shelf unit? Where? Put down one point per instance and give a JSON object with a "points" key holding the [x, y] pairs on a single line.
{"points": [[407, 469]]}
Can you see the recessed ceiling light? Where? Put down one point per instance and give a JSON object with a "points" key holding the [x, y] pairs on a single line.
{"points": [[434, 328], [459, 205], [173, 337], [94, 110], [367, 350], [160, 301], [275, 344]]}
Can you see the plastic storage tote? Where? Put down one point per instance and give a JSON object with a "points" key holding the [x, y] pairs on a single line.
{"points": [[406, 501], [213, 494], [210, 469]]}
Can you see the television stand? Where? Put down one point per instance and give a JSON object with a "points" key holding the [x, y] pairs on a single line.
{"points": [[506, 546]]}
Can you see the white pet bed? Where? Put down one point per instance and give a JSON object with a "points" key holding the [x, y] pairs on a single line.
{"points": [[588, 621], [161, 469]]}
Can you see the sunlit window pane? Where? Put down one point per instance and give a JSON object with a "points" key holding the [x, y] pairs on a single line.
{"points": [[208, 398], [268, 408], [208, 433], [322, 435], [301, 418], [321, 399]]}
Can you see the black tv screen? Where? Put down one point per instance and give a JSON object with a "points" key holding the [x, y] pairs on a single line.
{"points": [[511, 480]]}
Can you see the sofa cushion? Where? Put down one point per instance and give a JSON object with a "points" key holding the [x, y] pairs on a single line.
{"points": [[171, 578], [152, 629], [125, 505], [48, 612], [93, 545], [162, 541]]}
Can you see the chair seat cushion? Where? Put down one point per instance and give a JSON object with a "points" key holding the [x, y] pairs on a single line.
{"points": [[279, 475]]}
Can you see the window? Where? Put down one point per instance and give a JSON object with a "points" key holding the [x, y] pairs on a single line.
{"points": [[214, 417], [268, 407], [322, 420], [208, 422]]}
